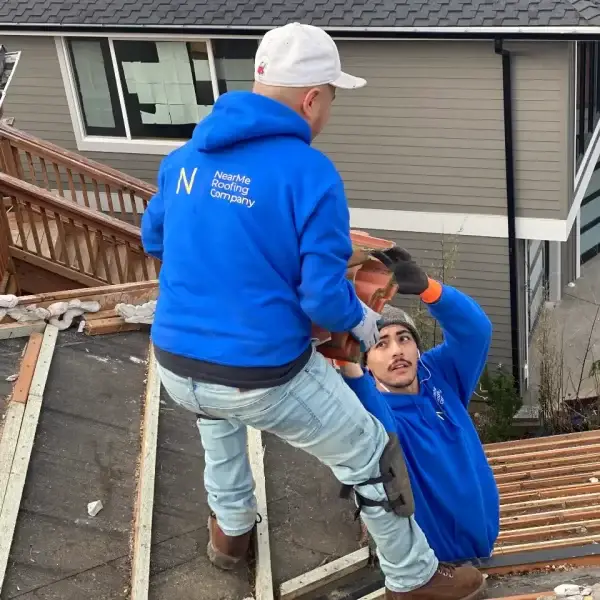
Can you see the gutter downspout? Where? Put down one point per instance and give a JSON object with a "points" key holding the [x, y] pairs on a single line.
{"points": [[507, 93]]}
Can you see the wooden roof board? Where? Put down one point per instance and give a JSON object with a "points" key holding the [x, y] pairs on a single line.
{"points": [[549, 492]]}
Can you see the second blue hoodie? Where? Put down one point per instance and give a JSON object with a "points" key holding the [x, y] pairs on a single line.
{"points": [[252, 226], [456, 497]]}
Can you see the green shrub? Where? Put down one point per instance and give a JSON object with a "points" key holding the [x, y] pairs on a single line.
{"points": [[502, 403]]}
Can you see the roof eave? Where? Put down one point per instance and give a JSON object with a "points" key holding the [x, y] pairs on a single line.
{"points": [[546, 32]]}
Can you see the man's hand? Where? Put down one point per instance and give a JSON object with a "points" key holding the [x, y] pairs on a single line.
{"points": [[411, 279], [366, 332]]}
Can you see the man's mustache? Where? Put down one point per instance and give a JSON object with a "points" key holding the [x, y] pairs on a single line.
{"points": [[400, 362]]}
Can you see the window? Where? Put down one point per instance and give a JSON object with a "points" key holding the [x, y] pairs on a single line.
{"points": [[234, 63], [97, 87], [149, 90]]}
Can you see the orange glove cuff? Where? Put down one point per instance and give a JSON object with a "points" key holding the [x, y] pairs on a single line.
{"points": [[341, 363], [433, 292]]}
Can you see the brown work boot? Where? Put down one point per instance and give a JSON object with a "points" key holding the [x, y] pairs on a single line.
{"points": [[224, 551], [448, 583]]}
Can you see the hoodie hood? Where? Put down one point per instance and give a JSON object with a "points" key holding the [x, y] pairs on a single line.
{"points": [[239, 117]]}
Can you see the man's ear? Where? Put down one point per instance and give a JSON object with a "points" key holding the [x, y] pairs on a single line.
{"points": [[309, 100]]}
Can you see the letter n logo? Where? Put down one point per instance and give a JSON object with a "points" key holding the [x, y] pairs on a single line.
{"points": [[188, 184]]}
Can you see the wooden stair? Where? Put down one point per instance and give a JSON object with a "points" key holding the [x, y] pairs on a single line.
{"points": [[73, 176], [122, 266], [71, 222], [76, 246], [67, 221], [9, 284]]}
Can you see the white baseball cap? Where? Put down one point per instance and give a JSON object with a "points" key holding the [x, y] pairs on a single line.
{"points": [[298, 55]]}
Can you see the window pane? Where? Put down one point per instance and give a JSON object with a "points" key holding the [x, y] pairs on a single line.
{"points": [[234, 63], [166, 86], [96, 87]]}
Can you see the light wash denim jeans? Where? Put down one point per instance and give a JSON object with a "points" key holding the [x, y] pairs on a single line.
{"points": [[316, 412]]}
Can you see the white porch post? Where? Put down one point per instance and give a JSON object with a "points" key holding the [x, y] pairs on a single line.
{"points": [[577, 225], [555, 276]]}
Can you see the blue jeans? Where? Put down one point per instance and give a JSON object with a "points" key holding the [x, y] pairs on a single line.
{"points": [[317, 412]]}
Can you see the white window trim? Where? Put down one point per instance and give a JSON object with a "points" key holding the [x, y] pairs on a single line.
{"points": [[212, 69], [126, 145], [119, 83]]}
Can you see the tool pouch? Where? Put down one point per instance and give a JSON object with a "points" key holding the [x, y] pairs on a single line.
{"points": [[395, 479]]}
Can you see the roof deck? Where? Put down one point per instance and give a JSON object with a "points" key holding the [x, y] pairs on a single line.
{"points": [[87, 448]]}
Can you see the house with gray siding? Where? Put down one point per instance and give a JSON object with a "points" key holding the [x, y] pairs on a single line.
{"points": [[479, 123]]}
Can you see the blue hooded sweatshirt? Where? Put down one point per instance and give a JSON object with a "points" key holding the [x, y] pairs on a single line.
{"points": [[253, 229], [456, 497]]}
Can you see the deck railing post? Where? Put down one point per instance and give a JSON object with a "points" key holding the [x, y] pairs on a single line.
{"points": [[7, 162]]}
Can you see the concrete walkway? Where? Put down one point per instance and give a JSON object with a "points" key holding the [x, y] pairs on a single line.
{"points": [[576, 320]]}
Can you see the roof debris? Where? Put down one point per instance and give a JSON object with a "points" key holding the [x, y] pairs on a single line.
{"points": [[569, 590], [93, 508]]}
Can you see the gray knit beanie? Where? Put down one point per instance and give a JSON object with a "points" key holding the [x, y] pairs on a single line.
{"points": [[392, 315]]}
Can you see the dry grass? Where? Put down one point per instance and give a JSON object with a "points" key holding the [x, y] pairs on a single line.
{"points": [[560, 412]]}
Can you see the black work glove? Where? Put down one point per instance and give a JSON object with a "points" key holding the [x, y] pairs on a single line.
{"points": [[411, 279]]}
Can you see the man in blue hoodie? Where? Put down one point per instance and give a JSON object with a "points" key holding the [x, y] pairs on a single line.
{"points": [[423, 397], [252, 226]]}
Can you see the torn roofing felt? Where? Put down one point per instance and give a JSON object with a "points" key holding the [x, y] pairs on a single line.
{"points": [[258, 14]]}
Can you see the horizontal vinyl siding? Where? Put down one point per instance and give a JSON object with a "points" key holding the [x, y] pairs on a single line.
{"points": [[143, 166], [38, 103], [480, 269], [542, 147], [398, 172], [37, 100], [427, 133]]}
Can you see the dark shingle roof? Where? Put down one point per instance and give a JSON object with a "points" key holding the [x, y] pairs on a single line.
{"points": [[261, 14]]}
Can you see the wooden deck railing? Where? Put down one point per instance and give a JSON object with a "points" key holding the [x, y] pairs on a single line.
{"points": [[81, 243], [72, 176], [4, 250]]}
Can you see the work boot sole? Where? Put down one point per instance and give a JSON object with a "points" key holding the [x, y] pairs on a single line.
{"points": [[218, 559], [479, 594]]}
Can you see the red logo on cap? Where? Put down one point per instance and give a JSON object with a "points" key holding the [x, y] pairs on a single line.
{"points": [[261, 68]]}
